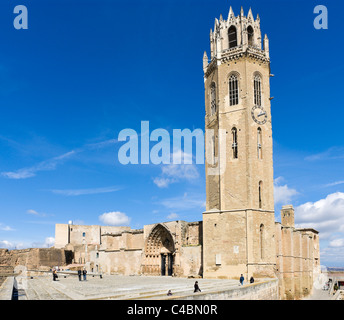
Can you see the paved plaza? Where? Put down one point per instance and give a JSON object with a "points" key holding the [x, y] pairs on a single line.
{"points": [[116, 287]]}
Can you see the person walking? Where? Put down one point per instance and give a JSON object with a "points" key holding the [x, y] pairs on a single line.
{"points": [[54, 275], [79, 274], [242, 279], [197, 289], [84, 274]]}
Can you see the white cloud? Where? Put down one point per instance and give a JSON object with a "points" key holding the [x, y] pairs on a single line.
{"points": [[114, 218], [282, 193], [52, 163], [330, 154], [11, 245], [175, 172], [162, 182], [36, 213], [172, 216], [78, 192], [5, 228], [48, 242], [332, 256], [46, 165], [336, 183], [6, 244], [337, 243], [183, 203], [31, 211], [325, 215]]}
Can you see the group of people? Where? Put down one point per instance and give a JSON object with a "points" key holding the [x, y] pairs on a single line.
{"points": [[197, 289], [83, 273], [242, 280]]}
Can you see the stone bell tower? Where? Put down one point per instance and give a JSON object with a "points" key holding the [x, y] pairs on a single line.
{"points": [[238, 224]]}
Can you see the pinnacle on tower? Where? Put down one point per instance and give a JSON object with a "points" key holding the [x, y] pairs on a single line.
{"points": [[231, 13], [250, 15], [216, 24], [205, 60]]}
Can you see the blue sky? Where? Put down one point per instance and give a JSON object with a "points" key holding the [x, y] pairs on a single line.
{"points": [[85, 70]]}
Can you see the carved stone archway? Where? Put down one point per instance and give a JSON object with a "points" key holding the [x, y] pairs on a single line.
{"points": [[158, 252]]}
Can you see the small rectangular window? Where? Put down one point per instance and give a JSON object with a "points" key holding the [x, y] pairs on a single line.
{"points": [[218, 259]]}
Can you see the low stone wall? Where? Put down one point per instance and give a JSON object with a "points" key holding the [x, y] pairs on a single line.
{"points": [[34, 258], [264, 290], [6, 289]]}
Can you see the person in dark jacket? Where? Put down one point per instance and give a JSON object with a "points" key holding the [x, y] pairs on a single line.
{"points": [[84, 273], [242, 280], [79, 274], [54, 275], [197, 289]]}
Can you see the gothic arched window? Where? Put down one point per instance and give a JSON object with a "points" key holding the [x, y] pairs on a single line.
{"points": [[235, 143], [260, 194], [259, 143], [257, 90], [213, 99], [232, 37], [261, 240], [213, 150], [233, 90], [250, 34]]}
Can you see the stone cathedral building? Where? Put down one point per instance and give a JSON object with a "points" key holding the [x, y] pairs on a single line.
{"points": [[238, 234]]}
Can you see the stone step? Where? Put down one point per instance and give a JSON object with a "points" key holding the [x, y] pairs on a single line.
{"points": [[177, 290], [43, 290]]}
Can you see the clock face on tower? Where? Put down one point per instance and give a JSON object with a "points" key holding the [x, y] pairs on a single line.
{"points": [[259, 115]]}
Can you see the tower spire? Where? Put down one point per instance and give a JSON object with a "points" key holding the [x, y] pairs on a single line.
{"points": [[230, 13], [250, 15], [205, 61]]}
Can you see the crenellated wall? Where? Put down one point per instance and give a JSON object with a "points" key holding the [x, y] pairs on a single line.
{"points": [[298, 257]]}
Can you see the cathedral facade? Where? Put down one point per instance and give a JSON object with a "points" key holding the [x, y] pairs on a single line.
{"points": [[238, 233]]}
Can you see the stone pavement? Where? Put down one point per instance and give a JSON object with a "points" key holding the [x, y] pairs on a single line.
{"points": [[318, 294], [118, 287]]}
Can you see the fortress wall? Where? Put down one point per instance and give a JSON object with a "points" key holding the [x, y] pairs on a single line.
{"points": [[61, 235], [35, 258], [288, 262], [297, 265], [77, 232], [265, 290], [190, 261], [125, 262]]}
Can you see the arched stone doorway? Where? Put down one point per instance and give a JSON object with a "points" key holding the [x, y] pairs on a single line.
{"points": [[159, 252]]}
